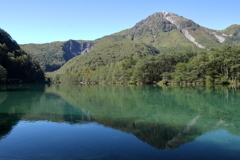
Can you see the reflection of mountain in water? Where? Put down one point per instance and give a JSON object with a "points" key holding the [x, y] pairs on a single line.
{"points": [[29, 103], [160, 136], [12, 103], [6, 124], [165, 118], [53, 108]]}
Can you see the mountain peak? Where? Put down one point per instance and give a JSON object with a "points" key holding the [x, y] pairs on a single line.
{"points": [[165, 14]]}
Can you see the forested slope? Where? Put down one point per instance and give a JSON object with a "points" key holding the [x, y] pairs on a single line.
{"points": [[85, 67], [102, 65], [15, 63], [52, 56]]}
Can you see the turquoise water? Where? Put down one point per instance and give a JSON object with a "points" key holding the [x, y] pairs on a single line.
{"points": [[119, 122]]}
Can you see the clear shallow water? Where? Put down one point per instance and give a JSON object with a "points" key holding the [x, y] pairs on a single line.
{"points": [[119, 122]]}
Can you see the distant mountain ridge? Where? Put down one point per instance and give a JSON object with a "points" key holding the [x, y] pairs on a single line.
{"points": [[52, 56], [166, 31]]}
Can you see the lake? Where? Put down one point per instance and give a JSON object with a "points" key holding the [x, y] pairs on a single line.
{"points": [[61, 121]]}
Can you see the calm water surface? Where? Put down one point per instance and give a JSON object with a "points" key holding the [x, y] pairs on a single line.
{"points": [[119, 122]]}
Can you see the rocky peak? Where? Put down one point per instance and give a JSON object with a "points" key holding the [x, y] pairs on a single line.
{"points": [[165, 14], [163, 21], [156, 21], [166, 18]]}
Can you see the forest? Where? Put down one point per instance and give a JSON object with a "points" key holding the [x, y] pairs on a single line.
{"points": [[126, 62], [131, 62], [16, 63]]}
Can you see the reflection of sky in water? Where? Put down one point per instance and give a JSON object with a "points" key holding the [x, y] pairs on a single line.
{"points": [[222, 139], [42, 139]]}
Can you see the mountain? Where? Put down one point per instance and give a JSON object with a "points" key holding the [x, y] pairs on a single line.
{"points": [[163, 32], [52, 56], [15, 63], [233, 34], [163, 125], [166, 31], [169, 32], [87, 66]]}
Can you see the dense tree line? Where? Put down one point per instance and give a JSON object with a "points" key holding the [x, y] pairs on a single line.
{"points": [[120, 62], [15, 63], [218, 65], [49, 55], [87, 66]]}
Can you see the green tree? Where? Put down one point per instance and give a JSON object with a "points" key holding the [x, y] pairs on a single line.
{"points": [[3, 74]]}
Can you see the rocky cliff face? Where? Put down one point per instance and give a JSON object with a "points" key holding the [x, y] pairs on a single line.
{"points": [[177, 20], [191, 38], [73, 48], [181, 23], [52, 56]]}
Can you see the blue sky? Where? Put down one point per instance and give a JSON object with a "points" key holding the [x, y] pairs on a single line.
{"points": [[44, 21]]}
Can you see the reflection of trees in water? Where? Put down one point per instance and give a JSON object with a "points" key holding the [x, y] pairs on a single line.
{"points": [[160, 104], [32, 104], [165, 118], [13, 104], [52, 107], [218, 102], [7, 122]]}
